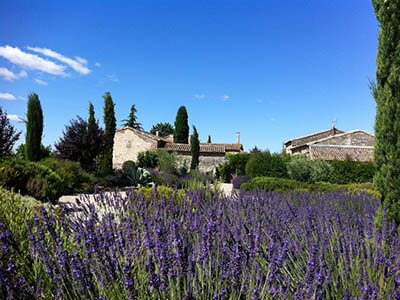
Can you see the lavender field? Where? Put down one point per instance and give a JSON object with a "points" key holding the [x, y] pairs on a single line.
{"points": [[252, 245]]}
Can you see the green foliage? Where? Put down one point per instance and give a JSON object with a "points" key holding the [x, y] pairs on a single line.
{"points": [[209, 139], [8, 134], [266, 164], [238, 162], [161, 191], [181, 133], [225, 172], [128, 164], [168, 161], [300, 169], [147, 159], [387, 96], [255, 149], [92, 119], [31, 178], [321, 170], [282, 185], [164, 129], [110, 128], [348, 171], [75, 179], [138, 177], [131, 121], [34, 128], [44, 151], [194, 149]]}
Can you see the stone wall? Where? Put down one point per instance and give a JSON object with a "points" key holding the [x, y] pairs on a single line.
{"points": [[207, 163], [127, 145], [357, 138]]}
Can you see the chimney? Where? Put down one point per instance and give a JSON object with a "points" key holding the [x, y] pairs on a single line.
{"points": [[237, 137], [157, 133]]}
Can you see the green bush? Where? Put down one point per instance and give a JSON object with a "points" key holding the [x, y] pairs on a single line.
{"points": [[238, 162], [282, 185], [168, 161], [31, 178], [225, 172], [128, 164], [267, 164], [75, 179], [300, 169], [147, 159], [348, 171], [161, 191]]}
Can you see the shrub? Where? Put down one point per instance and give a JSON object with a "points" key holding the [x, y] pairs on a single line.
{"points": [[225, 172], [31, 178], [300, 169], [266, 164], [168, 161], [128, 164], [163, 178], [348, 171], [147, 159], [274, 184], [321, 170], [75, 179], [238, 162], [239, 180]]}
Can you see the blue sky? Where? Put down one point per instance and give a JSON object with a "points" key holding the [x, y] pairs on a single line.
{"points": [[272, 70]]}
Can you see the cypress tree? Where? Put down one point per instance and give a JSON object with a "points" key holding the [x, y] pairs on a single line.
{"points": [[34, 128], [110, 128], [209, 140], [387, 95], [181, 132], [131, 121], [92, 119], [194, 149]]}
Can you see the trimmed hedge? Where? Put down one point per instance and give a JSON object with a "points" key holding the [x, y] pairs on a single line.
{"points": [[267, 164], [282, 185]]}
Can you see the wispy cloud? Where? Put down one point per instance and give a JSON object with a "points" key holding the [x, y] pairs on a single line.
{"points": [[41, 82], [7, 96], [10, 76], [199, 96], [113, 78], [31, 61], [225, 97], [97, 64], [21, 98], [15, 118], [259, 100], [272, 119], [77, 65]]}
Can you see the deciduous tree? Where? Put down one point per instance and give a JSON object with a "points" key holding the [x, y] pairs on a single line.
{"points": [[8, 134]]}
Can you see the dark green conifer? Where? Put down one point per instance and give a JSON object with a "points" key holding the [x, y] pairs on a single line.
{"points": [[131, 121], [34, 128], [195, 149], [387, 95], [110, 128], [181, 132], [92, 119], [209, 139]]}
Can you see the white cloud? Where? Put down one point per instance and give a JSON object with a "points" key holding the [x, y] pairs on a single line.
{"points": [[199, 96], [7, 74], [74, 64], [81, 60], [41, 82], [15, 118], [225, 97], [113, 78], [7, 96], [31, 61], [10, 76], [97, 64]]}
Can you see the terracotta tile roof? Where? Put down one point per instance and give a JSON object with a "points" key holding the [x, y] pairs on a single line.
{"points": [[339, 152], [306, 138], [228, 147], [210, 148]]}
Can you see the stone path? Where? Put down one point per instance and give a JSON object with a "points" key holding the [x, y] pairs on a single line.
{"points": [[226, 188]]}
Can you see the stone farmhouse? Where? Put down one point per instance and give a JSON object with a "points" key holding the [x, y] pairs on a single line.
{"points": [[128, 142], [334, 144]]}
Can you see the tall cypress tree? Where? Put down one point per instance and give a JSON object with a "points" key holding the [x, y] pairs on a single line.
{"points": [[92, 119], [387, 96], [194, 149], [181, 132], [209, 139], [34, 128], [110, 128]]}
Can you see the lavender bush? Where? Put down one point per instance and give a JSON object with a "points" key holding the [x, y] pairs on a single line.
{"points": [[249, 246], [238, 180]]}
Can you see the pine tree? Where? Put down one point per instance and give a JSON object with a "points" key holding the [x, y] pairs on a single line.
{"points": [[8, 134], [110, 128], [34, 128], [209, 139], [387, 96], [92, 119], [131, 121], [194, 149], [181, 133]]}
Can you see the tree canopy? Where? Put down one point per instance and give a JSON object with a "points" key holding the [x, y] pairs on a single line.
{"points": [[132, 119], [8, 134], [34, 128], [164, 129], [181, 132]]}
